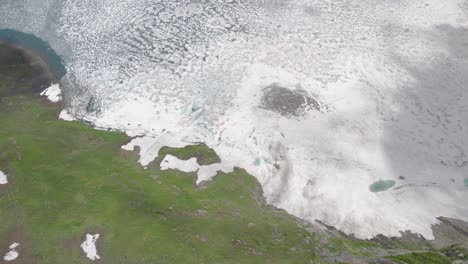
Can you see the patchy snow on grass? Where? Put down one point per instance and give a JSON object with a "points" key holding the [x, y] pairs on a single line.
{"points": [[3, 178], [12, 254], [53, 93], [89, 246], [204, 172], [149, 146], [64, 115]]}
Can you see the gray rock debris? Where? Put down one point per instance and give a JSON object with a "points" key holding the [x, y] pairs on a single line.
{"points": [[287, 102]]}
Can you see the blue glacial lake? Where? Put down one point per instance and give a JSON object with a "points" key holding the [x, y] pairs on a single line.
{"points": [[381, 185]]}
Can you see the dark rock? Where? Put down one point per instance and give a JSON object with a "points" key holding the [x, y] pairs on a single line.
{"points": [[287, 102]]}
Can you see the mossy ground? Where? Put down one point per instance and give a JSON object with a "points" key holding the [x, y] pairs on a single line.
{"points": [[422, 258]]}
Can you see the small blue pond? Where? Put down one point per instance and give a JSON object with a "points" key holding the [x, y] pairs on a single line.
{"points": [[257, 162], [381, 185]]}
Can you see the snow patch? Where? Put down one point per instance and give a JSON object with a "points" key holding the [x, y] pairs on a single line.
{"points": [[204, 172], [64, 115], [89, 246], [3, 178], [171, 162], [53, 93], [149, 146], [12, 254]]}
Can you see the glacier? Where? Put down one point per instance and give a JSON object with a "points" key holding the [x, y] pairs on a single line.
{"points": [[386, 79]]}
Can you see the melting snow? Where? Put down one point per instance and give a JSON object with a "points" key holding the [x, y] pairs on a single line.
{"points": [[64, 115], [89, 246], [3, 178], [149, 147], [12, 254], [172, 162], [53, 93], [380, 117], [204, 172]]}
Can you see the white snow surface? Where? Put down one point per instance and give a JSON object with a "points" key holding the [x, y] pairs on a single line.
{"points": [[149, 147], [12, 254], [64, 115], [204, 172], [171, 162], [53, 93], [89, 246], [391, 76], [3, 178]]}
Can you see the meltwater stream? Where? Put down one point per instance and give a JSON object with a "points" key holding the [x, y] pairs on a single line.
{"points": [[317, 99]]}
